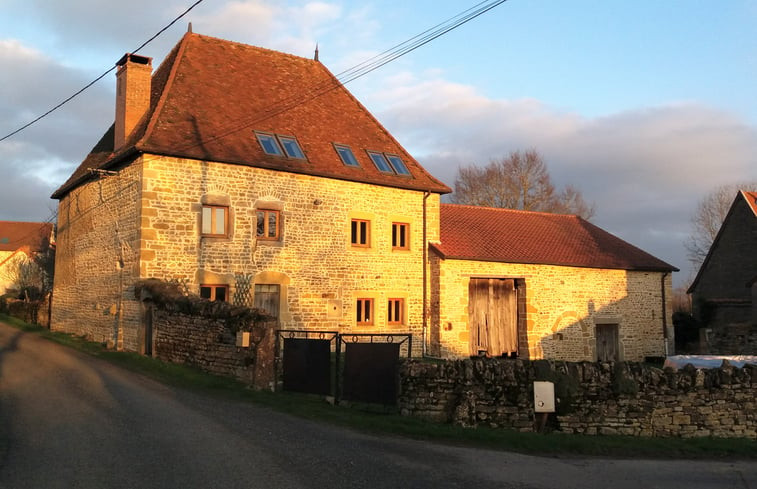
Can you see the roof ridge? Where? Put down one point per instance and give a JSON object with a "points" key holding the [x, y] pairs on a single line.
{"points": [[245, 45], [509, 209]]}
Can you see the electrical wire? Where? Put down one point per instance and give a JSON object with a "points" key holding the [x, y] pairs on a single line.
{"points": [[353, 73], [64, 102]]}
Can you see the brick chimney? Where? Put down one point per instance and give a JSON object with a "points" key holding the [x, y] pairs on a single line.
{"points": [[132, 94]]}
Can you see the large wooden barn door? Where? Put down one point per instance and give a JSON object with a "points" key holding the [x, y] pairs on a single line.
{"points": [[493, 316]]}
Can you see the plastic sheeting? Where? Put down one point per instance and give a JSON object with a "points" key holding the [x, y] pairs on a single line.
{"points": [[708, 361]]}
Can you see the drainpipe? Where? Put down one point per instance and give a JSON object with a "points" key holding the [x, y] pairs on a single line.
{"points": [[426, 194], [664, 312]]}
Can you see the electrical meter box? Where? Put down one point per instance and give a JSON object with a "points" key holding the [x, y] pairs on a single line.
{"points": [[544, 397], [243, 339]]}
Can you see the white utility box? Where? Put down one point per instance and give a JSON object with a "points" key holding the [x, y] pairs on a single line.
{"points": [[544, 397]]}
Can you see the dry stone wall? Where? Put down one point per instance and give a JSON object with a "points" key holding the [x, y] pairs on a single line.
{"points": [[593, 398], [208, 344]]}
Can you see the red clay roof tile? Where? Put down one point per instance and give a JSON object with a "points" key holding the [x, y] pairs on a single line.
{"points": [[34, 235], [209, 96], [512, 236]]}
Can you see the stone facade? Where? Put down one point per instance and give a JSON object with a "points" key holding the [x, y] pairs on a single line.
{"points": [[154, 222], [592, 398], [97, 259], [558, 309]]}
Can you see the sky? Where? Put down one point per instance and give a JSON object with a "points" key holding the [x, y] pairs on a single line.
{"points": [[644, 106]]}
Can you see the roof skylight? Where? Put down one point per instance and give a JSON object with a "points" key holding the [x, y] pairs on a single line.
{"points": [[347, 156], [269, 144], [291, 147], [388, 163], [276, 145]]}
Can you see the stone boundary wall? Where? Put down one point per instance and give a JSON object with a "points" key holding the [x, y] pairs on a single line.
{"points": [[208, 344], [592, 398]]}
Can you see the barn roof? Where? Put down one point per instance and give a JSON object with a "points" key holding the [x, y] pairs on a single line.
{"points": [[210, 96], [513, 236]]}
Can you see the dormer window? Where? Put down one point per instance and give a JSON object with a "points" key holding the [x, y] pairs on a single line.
{"points": [[276, 145], [347, 156], [388, 163]]}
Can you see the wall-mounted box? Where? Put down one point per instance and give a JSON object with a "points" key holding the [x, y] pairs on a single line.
{"points": [[544, 397]]}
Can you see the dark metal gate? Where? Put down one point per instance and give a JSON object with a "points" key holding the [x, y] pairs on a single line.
{"points": [[306, 360], [371, 366]]}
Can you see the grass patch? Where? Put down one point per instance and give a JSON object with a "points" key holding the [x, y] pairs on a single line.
{"points": [[386, 421]]}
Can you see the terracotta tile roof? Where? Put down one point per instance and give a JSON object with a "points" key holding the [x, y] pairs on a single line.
{"points": [[33, 235], [751, 199], [209, 96], [512, 236]]}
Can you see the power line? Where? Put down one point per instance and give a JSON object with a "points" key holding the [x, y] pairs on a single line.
{"points": [[99, 77], [357, 71]]}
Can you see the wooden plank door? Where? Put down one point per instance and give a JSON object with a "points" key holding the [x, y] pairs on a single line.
{"points": [[607, 343], [492, 316], [267, 298]]}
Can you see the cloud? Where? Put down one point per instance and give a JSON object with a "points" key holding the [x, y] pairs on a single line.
{"points": [[645, 169]]}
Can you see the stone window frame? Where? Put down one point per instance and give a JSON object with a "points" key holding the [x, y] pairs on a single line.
{"points": [[395, 311], [269, 204], [365, 312], [213, 291], [360, 236], [396, 242]]}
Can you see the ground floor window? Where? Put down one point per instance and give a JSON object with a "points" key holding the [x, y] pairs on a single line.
{"points": [[364, 312], [395, 311], [215, 292]]}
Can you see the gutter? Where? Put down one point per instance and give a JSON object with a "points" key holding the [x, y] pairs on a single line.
{"points": [[664, 312], [426, 195]]}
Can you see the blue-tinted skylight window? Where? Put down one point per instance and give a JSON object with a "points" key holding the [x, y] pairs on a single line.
{"points": [[345, 153], [269, 144], [398, 165], [291, 147], [380, 162]]}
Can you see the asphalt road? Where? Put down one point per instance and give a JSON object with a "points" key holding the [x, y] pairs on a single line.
{"points": [[71, 421]]}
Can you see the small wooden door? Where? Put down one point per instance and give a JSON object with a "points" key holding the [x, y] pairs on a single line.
{"points": [[267, 297], [492, 316], [607, 343]]}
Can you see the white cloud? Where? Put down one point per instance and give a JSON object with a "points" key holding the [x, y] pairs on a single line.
{"points": [[645, 169]]}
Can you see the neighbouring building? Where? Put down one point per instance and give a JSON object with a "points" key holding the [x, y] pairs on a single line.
{"points": [[724, 290], [19, 241], [254, 176]]}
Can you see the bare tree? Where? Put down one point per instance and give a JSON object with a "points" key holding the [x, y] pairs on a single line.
{"points": [[708, 217], [520, 181]]}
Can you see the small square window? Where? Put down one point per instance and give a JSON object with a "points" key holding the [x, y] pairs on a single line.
{"points": [[380, 161], [215, 220], [215, 292], [395, 313], [268, 224], [347, 156], [398, 165], [291, 147], [360, 234], [269, 144], [400, 236], [364, 312]]}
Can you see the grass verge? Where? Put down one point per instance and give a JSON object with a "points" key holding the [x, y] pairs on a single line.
{"points": [[378, 420]]}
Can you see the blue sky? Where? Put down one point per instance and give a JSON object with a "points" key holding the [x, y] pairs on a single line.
{"points": [[644, 106]]}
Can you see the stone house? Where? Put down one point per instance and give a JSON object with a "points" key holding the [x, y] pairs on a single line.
{"points": [[19, 241], [723, 291], [254, 176], [540, 285]]}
